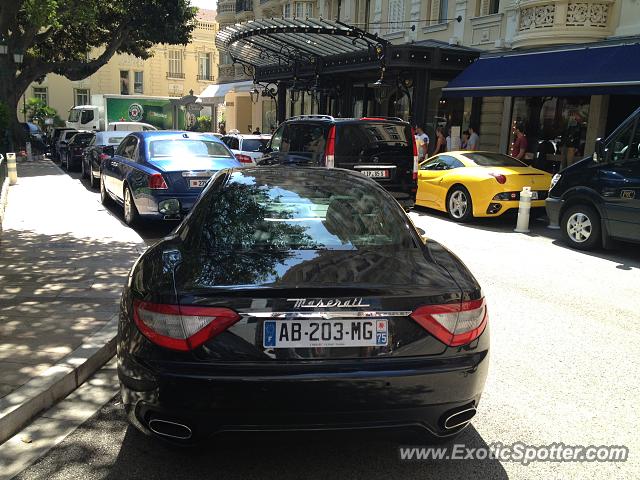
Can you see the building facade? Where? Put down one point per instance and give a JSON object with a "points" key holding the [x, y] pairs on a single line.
{"points": [[171, 71], [492, 27]]}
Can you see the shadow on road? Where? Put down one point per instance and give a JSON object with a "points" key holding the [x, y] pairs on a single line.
{"points": [[627, 255], [107, 447]]}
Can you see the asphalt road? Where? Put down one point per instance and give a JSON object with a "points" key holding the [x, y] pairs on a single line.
{"points": [[564, 365]]}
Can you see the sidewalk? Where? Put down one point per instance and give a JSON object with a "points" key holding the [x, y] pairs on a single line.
{"points": [[63, 261]]}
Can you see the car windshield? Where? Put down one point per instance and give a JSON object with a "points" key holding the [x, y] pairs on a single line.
{"points": [[187, 148], [82, 138], [269, 210], [493, 160], [253, 144], [110, 139]]}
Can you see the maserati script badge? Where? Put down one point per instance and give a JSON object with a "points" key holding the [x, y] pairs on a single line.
{"points": [[333, 302]]}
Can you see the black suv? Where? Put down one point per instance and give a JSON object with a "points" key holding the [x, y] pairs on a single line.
{"points": [[598, 198], [383, 149]]}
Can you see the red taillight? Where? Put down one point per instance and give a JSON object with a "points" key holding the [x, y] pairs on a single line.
{"points": [[243, 158], [103, 156], [330, 149], [415, 155], [181, 328], [500, 178], [453, 324], [156, 182]]}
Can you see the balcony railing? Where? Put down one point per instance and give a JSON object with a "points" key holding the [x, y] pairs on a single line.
{"points": [[175, 75], [543, 22], [206, 78]]}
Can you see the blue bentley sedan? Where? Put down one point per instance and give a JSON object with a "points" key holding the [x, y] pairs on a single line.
{"points": [[160, 174]]}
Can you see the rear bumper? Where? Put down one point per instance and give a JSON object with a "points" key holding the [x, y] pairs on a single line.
{"points": [[151, 209], [412, 392]]}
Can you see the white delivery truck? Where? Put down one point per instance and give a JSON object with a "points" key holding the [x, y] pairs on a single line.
{"points": [[105, 109]]}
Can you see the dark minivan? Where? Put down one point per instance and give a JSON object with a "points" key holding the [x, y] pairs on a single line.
{"points": [[598, 198], [383, 149]]}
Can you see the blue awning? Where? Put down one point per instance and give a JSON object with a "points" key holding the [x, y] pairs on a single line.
{"points": [[595, 69]]}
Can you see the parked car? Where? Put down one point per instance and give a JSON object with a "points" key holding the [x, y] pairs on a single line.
{"points": [[478, 184], [160, 174], [74, 152], [300, 298], [101, 147], [34, 135], [598, 198], [131, 126], [54, 139], [247, 148], [380, 148], [63, 140]]}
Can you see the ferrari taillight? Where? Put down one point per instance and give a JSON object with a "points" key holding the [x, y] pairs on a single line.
{"points": [[180, 327], [500, 178], [453, 324]]}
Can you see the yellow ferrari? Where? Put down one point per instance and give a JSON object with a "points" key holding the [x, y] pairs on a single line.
{"points": [[478, 184]]}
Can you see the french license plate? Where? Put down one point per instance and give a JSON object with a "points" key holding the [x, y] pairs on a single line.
{"points": [[375, 173], [534, 195], [325, 333], [198, 182]]}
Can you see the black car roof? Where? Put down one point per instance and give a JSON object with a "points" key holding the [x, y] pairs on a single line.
{"points": [[330, 119]]}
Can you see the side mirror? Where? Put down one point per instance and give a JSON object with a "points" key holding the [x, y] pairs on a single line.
{"points": [[109, 150], [598, 152]]}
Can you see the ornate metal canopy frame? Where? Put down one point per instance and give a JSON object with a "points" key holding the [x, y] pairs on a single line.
{"points": [[296, 43]]}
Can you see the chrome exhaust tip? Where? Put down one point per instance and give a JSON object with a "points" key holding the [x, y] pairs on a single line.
{"points": [[459, 418], [170, 429]]}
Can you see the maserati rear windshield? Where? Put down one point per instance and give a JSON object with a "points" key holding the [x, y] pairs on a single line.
{"points": [[287, 212]]}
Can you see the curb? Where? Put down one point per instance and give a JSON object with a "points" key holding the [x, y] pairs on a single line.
{"points": [[55, 383]]}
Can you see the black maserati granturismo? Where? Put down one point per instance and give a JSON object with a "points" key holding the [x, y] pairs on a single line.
{"points": [[297, 298]]}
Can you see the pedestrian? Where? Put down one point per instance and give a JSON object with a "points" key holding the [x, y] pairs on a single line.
{"points": [[464, 142], [441, 141], [221, 129], [257, 131], [422, 141], [520, 144], [474, 139], [273, 129]]}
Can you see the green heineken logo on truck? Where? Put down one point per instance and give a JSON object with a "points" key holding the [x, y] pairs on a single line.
{"points": [[136, 112]]}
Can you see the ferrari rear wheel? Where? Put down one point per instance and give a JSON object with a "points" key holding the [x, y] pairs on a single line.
{"points": [[459, 206]]}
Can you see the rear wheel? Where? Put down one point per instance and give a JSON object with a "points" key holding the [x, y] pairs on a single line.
{"points": [[581, 227], [83, 169], [104, 196], [459, 206], [92, 179], [131, 216]]}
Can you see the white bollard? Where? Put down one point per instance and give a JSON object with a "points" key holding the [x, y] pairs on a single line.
{"points": [[29, 152], [12, 170], [524, 208]]}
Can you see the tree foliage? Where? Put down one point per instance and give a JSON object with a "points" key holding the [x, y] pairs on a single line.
{"points": [[74, 38]]}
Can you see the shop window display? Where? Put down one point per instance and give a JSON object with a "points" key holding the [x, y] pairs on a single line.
{"points": [[556, 129]]}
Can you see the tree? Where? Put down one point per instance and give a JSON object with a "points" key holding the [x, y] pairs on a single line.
{"points": [[74, 38]]}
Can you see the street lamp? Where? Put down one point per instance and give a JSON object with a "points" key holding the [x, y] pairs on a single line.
{"points": [[380, 86], [254, 93]]}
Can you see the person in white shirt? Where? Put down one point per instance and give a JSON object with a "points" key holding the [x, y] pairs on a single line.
{"points": [[422, 140], [474, 140]]}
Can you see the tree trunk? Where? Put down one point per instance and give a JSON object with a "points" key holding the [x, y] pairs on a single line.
{"points": [[10, 96]]}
